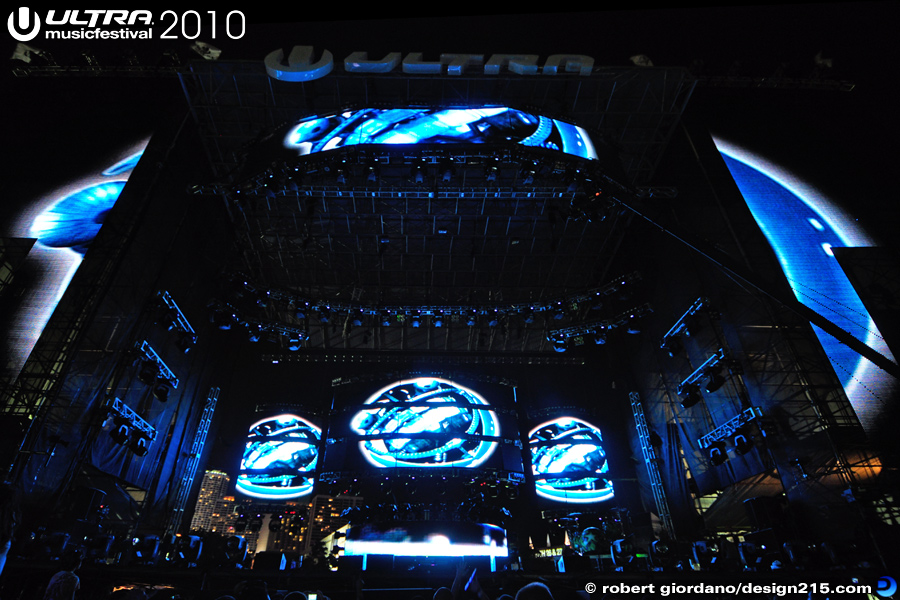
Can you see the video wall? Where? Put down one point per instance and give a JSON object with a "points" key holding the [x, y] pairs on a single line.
{"points": [[488, 125], [803, 228], [429, 425], [64, 221]]}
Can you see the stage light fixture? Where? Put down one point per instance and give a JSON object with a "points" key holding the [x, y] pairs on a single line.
{"points": [[324, 314], [222, 320], [185, 342], [690, 395], [742, 444], [294, 344], [673, 346], [161, 390], [416, 321], [715, 379], [139, 445], [559, 344], [149, 372], [717, 453], [121, 432]]}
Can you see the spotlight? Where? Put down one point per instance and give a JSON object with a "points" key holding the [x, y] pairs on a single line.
{"points": [[717, 454], [416, 321], [294, 343], [438, 320], [715, 380], [528, 315], [558, 343], [690, 395], [161, 390], [186, 342], [253, 334], [222, 320], [672, 346], [472, 318], [149, 372], [324, 314], [600, 338], [140, 445], [742, 444], [121, 432]]}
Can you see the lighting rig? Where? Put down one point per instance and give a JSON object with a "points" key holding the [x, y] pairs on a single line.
{"points": [[596, 330], [711, 371], [178, 322], [729, 428], [671, 341], [437, 314], [130, 427], [153, 366], [224, 315]]}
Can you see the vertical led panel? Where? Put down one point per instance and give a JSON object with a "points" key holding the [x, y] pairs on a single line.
{"points": [[569, 462], [803, 227], [280, 458]]}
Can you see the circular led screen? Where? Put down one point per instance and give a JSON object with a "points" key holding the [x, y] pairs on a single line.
{"points": [[568, 461], [426, 423], [280, 458]]}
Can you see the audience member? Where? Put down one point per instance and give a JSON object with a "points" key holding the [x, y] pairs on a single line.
{"points": [[65, 583], [534, 591]]}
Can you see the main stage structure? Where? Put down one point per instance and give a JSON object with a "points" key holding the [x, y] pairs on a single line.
{"points": [[556, 249]]}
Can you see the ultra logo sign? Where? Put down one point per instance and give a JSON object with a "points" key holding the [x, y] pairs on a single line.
{"points": [[301, 67]]}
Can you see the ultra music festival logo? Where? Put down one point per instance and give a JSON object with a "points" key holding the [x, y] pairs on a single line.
{"points": [[26, 25]]}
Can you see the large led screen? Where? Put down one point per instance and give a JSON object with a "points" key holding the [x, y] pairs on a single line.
{"points": [[568, 461], [803, 227], [64, 222], [280, 458], [488, 125], [426, 422], [426, 538]]}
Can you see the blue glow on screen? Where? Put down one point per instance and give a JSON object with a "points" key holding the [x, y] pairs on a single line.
{"points": [[65, 222], [488, 125], [803, 227], [431, 538], [280, 458], [568, 461], [75, 220], [419, 419]]}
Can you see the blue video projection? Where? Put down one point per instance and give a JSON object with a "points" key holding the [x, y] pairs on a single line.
{"points": [[64, 222], [568, 461], [280, 458], [803, 227], [426, 422], [488, 125]]}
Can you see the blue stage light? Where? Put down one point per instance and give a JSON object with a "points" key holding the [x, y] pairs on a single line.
{"points": [[569, 462], [415, 423]]}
